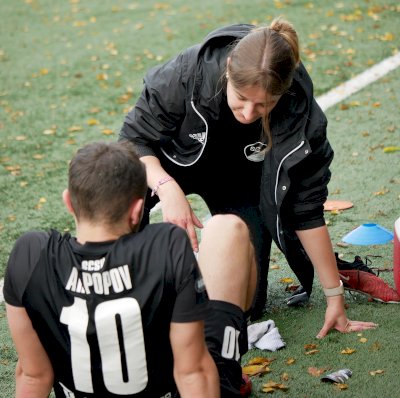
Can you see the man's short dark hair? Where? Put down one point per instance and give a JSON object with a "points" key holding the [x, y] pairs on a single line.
{"points": [[104, 178]]}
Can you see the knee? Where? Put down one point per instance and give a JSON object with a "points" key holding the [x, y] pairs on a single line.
{"points": [[228, 224]]}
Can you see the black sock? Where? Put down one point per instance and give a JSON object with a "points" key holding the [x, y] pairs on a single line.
{"points": [[226, 337]]}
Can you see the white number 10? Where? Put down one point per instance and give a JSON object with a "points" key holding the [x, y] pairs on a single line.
{"points": [[119, 331]]}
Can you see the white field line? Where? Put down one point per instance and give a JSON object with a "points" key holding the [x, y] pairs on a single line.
{"points": [[355, 84], [336, 95]]}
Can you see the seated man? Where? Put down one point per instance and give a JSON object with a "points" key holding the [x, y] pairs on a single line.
{"points": [[112, 312]]}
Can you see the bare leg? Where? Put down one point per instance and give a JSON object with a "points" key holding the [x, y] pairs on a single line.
{"points": [[227, 260]]}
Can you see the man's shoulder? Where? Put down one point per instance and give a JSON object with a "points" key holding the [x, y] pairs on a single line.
{"points": [[30, 238], [22, 261]]}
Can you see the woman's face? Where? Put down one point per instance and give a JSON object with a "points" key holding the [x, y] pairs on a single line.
{"points": [[250, 103]]}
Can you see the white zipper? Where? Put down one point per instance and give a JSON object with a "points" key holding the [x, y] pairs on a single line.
{"points": [[276, 188]]}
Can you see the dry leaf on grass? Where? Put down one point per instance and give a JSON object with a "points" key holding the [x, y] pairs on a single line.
{"points": [[376, 372], [311, 349], [73, 129], [311, 352], [271, 386], [316, 372], [260, 361], [348, 351], [341, 386], [311, 346], [389, 149], [92, 122], [255, 370], [291, 288], [376, 346], [284, 376], [257, 366], [286, 280]]}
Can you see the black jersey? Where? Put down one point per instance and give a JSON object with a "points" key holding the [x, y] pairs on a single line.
{"points": [[103, 310]]}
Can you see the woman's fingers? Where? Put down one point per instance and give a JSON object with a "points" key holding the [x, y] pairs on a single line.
{"points": [[357, 326], [191, 231]]}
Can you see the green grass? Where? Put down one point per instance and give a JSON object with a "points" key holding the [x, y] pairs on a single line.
{"points": [[63, 64]]}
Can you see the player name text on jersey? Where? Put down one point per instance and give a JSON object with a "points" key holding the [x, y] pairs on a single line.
{"points": [[107, 282]]}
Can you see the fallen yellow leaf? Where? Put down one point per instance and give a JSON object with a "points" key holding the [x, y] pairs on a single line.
{"points": [[253, 370], [285, 376], [390, 149], [310, 346], [348, 351], [92, 122], [383, 191], [260, 361], [376, 372], [341, 386], [286, 280], [387, 37], [271, 386], [316, 372], [75, 128], [102, 76]]}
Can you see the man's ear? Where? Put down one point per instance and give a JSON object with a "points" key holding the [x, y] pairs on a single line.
{"points": [[136, 211], [67, 201]]}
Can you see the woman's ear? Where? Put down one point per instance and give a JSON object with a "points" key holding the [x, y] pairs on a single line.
{"points": [[67, 201]]}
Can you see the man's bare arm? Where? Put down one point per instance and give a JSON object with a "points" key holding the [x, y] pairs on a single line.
{"points": [[33, 373], [195, 372]]}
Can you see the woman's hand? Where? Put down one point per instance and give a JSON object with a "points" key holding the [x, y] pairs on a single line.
{"points": [[174, 204], [176, 210], [335, 318]]}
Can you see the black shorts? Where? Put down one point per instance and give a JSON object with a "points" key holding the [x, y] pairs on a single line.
{"points": [[246, 208]]}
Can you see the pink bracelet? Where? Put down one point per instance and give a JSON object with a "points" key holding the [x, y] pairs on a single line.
{"points": [[159, 183]]}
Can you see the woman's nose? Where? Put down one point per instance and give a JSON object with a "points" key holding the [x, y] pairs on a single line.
{"points": [[248, 111]]}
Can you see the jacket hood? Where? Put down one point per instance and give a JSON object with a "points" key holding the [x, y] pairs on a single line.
{"points": [[212, 55], [225, 35]]}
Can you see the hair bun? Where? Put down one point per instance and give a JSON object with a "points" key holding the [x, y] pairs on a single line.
{"points": [[287, 30]]}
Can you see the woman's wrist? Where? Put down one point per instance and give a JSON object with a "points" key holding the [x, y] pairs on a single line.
{"points": [[159, 183], [335, 291]]}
